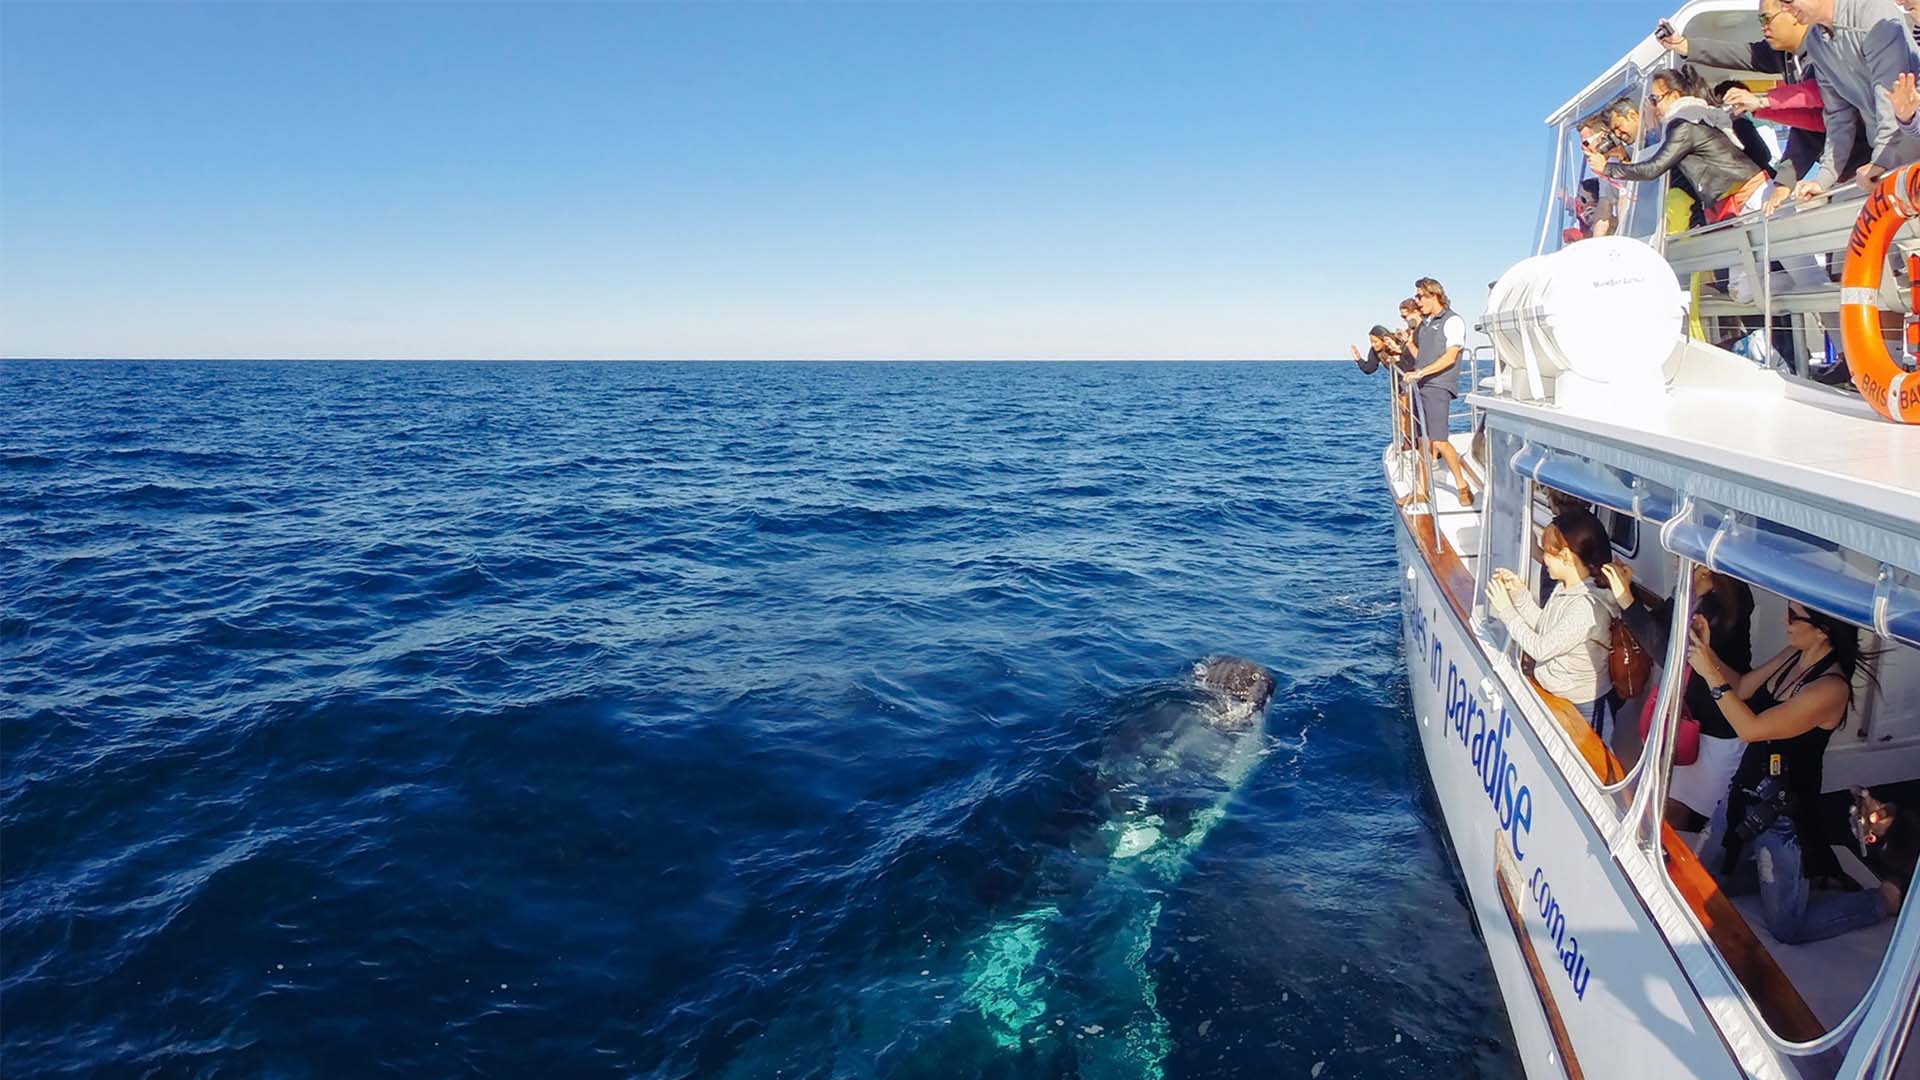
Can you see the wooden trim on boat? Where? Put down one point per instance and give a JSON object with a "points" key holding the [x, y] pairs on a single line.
{"points": [[1504, 876], [1456, 581], [1779, 1001]]}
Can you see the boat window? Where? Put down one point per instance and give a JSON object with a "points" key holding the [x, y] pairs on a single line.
{"points": [[1623, 531], [1639, 206], [1517, 510], [1507, 534], [1818, 573], [1804, 978]]}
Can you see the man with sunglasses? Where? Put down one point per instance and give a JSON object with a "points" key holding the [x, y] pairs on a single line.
{"points": [[1438, 342], [1794, 104], [1858, 48], [1698, 145], [1612, 200]]}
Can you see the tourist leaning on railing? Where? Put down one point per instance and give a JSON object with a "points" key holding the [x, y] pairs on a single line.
{"points": [[1613, 198], [1570, 636], [1745, 131], [1394, 349], [1586, 213], [1383, 347], [1768, 833], [1795, 103], [1696, 789], [1683, 209], [1699, 144], [1857, 49], [1795, 106], [1410, 314]]}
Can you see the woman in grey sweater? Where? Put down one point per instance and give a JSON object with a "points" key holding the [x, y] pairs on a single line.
{"points": [[1568, 638]]}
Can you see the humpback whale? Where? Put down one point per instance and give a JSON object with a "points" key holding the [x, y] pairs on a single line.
{"points": [[1074, 962], [1058, 983]]}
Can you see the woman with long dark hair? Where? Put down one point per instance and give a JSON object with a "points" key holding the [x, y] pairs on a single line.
{"points": [[1785, 711], [1568, 637]]}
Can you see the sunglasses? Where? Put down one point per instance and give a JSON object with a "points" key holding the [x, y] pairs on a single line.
{"points": [[1798, 616]]}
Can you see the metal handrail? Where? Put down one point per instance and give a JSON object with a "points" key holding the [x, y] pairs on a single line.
{"points": [[1845, 193], [1640, 826]]}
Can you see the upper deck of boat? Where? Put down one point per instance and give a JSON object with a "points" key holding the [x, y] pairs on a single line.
{"points": [[1763, 431]]}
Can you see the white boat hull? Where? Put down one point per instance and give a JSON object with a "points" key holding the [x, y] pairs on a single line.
{"points": [[1591, 986]]}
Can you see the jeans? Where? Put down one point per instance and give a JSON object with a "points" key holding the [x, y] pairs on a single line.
{"points": [[1770, 863], [1599, 713]]}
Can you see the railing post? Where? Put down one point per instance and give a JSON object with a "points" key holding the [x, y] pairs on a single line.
{"points": [[1640, 828], [1766, 278], [1552, 211]]}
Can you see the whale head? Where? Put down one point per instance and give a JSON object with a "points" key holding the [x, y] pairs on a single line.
{"points": [[1243, 686]]}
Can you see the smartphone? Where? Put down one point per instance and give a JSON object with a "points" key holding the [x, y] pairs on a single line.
{"points": [[1663, 30]]}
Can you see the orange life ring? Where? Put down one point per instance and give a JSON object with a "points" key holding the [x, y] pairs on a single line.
{"points": [[1892, 390]]}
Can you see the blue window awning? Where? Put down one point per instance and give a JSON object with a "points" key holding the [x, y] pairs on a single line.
{"points": [[1599, 484], [1802, 568]]}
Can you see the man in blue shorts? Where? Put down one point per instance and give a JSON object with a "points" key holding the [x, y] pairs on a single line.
{"points": [[1437, 345]]}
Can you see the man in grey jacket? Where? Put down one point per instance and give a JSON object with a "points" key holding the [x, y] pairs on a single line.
{"points": [[1857, 49], [1776, 54]]}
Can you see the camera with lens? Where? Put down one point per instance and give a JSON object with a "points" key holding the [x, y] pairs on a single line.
{"points": [[1766, 802]]}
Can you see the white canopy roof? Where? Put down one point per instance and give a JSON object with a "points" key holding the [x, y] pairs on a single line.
{"points": [[1732, 20]]}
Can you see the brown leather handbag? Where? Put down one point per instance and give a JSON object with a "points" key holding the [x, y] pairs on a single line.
{"points": [[1627, 663]]}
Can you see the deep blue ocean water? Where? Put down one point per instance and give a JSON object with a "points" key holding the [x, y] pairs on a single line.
{"points": [[674, 720]]}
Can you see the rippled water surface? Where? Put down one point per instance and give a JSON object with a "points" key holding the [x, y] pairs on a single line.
{"points": [[692, 720]]}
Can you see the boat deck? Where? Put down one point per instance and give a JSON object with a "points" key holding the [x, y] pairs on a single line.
{"points": [[1459, 523], [1833, 974]]}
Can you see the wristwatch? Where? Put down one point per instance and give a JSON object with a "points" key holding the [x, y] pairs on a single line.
{"points": [[1721, 691]]}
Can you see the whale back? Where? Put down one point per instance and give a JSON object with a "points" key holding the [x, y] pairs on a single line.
{"points": [[1186, 747]]}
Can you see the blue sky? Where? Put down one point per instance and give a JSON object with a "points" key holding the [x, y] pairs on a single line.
{"points": [[896, 180]]}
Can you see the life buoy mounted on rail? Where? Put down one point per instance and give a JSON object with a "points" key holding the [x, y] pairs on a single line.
{"points": [[1889, 386]]}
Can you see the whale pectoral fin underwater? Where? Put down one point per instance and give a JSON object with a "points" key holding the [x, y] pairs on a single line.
{"points": [[1164, 777], [997, 976], [1132, 838], [1131, 1039]]}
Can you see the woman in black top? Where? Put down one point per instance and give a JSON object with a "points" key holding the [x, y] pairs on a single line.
{"points": [[1785, 710], [1695, 791]]}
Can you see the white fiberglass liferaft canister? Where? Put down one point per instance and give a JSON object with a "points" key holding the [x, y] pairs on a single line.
{"points": [[1599, 318]]}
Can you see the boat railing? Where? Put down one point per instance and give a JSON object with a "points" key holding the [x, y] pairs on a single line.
{"points": [[1477, 365], [1729, 267]]}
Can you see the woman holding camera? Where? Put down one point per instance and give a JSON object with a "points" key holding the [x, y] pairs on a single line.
{"points": [[1785, 710], [1568, 637]]}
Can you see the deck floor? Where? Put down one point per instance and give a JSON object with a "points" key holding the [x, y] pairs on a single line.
{"points": [[1459, 524]]}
